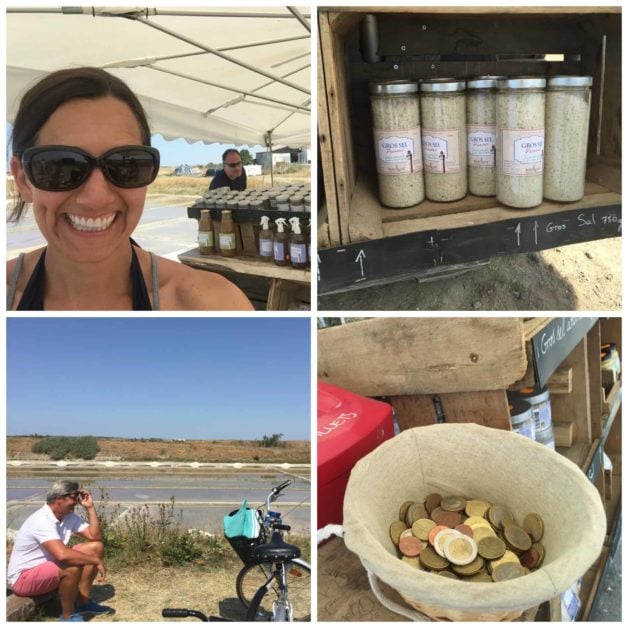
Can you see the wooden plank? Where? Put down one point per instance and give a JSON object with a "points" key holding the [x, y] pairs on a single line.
{"points": [[335, 86], [414, 410], [485, 407], [595, 381], [576, 406], [249, 241], [282, 295], [563, 433], [532, 326], [248, 266], [400, 356], [560, 382], [609, 399], [325, 143]]}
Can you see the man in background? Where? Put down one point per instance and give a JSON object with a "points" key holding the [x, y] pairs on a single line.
{"points": [[232, 175], [41, 560]]}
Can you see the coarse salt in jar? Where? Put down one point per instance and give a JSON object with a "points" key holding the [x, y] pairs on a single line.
{"points": [[444, 139], [397, 142], [481, 134], [520, 141], [567, 109]]}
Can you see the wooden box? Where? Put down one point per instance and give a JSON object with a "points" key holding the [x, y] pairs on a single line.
{"points": [[422, 42]]}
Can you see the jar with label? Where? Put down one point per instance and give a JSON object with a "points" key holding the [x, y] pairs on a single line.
{"points": [[296, 203], [521, 417], [283, 204], [243, 203], [539, 398], [481, 135], [307, 203], [567, 109], [256, 203], [444, 139], [520, 141], [227, 236], [397, 142], [205, 234], [272, 198]]}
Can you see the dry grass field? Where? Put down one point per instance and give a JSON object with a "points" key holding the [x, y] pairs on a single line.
{"points": [[20, 448]]}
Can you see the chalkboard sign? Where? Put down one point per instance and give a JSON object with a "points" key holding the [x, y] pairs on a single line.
{"points": [[555, 342], [368, 263]]}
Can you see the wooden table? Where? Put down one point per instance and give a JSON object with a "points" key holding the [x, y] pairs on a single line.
{"points": [[284, 280]]}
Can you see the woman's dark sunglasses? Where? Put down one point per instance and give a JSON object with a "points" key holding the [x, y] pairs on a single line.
{"points": [[63, 168]]}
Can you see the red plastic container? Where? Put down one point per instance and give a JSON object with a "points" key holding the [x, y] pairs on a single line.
{"points": [[349, 427]]}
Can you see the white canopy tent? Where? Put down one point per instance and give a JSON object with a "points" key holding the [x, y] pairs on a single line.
{"points": [[236, 75]]}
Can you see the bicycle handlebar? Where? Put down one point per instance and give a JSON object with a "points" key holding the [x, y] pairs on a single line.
{"points": [[281, 486]]}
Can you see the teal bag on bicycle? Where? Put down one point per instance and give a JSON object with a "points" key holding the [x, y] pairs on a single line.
{"points": [[243, 522]]}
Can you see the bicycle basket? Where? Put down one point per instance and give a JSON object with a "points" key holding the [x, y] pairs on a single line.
{"points": [[243, 545]]}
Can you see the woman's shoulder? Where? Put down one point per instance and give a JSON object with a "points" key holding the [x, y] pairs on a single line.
{"points": [[186, 288]]}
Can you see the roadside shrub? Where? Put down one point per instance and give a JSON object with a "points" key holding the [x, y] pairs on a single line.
{"points": [[60, 447], [271, 441]]}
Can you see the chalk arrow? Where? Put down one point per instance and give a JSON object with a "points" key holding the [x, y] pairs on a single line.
{"points": [[318, 267], [536, 232], [360, 259], [518, 232]]}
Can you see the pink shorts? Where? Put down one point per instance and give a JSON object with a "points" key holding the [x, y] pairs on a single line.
{"points": [[40, 579]]}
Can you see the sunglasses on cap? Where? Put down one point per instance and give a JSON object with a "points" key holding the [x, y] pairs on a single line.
{"points": [[234, 165], [63, 168]]}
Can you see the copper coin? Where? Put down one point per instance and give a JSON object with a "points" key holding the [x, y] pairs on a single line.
{"points": [[465, 529], [449, 519], [530, 558], [541, 550], [432, 501], [411, 546], [434, 531]]}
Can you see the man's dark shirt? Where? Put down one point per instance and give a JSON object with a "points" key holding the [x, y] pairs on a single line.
{"points": [[221, 180]]}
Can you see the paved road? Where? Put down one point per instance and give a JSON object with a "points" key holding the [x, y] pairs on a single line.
{"points": [[164, 229], [201, 500]]}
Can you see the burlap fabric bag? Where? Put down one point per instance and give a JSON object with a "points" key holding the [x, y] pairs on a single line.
{"points": [[483, 463]]}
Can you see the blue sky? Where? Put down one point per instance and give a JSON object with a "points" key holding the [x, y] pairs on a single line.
{"points": [[193, 378], [177, 152]]}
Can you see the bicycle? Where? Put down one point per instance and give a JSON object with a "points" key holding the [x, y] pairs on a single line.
{"points": [[274, 584]]}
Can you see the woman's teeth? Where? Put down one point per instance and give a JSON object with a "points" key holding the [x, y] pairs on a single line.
{"points": [[90, 224]]}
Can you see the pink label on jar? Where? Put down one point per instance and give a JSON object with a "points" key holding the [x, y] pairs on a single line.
{"points": [[398, 152], [441, 150], [481, 145], [522, 152]]}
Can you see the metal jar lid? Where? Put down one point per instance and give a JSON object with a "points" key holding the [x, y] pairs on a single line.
{"points": [[569, 81], [533, 396], [521, 82], [520, 411], [394, 87], [442, 85], [483, 82]]}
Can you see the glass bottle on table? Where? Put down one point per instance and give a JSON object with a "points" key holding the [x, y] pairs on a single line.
{"points": [[227, 236], [205, 234]]}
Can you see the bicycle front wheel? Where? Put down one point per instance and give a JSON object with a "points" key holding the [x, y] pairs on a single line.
{"points": [[298, 577]]}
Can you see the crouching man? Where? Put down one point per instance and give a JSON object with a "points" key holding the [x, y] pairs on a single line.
{"points": [[41, 560]]}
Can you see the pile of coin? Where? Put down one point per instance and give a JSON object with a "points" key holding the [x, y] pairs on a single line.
{"points": [[467, 539]]}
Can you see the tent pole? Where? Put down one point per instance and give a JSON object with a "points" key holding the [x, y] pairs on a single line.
{"points": [[269, 145]]}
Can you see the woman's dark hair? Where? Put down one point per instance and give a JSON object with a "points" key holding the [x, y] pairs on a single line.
{"points": [[58, 88]]}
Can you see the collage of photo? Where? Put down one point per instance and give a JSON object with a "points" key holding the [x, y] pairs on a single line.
{"points": [[385, 380]]}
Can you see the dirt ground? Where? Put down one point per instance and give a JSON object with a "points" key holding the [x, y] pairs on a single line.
{"points": [[584, 276], [129, 593], [20, 448]]}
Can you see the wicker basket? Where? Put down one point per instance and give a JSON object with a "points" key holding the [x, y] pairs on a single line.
{"points": [[243, 545], [474, 461]]}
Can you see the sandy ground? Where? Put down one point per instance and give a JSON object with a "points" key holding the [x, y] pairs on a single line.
{"points": [[584, 276]]}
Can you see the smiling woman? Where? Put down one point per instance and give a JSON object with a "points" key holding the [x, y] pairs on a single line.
{"points": [[82, 159]]}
